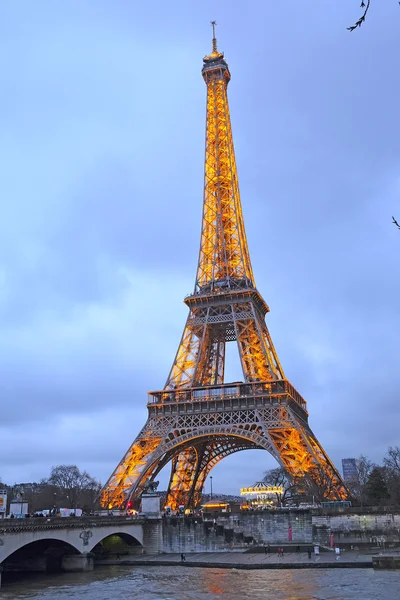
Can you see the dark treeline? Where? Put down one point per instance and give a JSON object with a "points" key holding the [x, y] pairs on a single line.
{"points": [[372, 484], [66, 487]]}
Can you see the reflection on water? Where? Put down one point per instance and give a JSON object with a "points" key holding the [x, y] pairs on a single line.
{"points": [[182, 583]]}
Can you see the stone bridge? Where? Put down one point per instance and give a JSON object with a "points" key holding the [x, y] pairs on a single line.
{"points": [[33, 544]]}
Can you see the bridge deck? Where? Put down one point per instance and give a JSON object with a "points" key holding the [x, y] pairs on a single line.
{"points": [[41, 524]]}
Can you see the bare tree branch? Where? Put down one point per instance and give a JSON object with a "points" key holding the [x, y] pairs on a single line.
{"points": [[363, 16], [395, 222], [392, 472], [392, 459], [359, 482], [71, 483], [279, 477]]}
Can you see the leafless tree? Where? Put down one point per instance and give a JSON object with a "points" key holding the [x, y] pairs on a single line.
{"points": [[72, 484], [357, 486], [391, 462], [396, 223], [32, 494], [280, 478], [392, 459], [314, 486], [318, 485]]}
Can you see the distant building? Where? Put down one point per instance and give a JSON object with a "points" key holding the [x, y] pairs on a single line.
{"points": [[349, 467]]}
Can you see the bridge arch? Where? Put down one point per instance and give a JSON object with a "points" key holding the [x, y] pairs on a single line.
{"points": [[43, 555], [132, 538], [116, 542], [44, 541], [82, 537]]}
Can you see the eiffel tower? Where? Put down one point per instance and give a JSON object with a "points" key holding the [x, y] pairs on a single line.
{"points": [[198, 419]]}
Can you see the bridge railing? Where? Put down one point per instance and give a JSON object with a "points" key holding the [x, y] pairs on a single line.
{"points": [[42, 523]]}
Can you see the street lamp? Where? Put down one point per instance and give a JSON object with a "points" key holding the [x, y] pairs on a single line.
{"points": [[211, 486], [72, 505]]}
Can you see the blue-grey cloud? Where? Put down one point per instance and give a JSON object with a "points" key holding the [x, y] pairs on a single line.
{"points": [[101, 183]]}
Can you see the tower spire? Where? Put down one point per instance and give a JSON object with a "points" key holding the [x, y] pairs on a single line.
{"points": [[224, 260], [214, 40]]}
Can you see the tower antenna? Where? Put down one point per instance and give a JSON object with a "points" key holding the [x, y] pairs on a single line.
{"points": [[214, 41]]}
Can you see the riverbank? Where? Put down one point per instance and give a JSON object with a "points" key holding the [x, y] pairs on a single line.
{"points": [[241, 560]]}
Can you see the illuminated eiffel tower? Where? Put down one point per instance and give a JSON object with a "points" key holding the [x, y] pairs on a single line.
{"points": [[198, 419]]}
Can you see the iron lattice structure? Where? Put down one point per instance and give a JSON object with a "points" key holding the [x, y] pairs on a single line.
{"points": [[197, 419]]}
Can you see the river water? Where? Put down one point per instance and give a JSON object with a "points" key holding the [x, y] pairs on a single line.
{"points": [[183, 583]]}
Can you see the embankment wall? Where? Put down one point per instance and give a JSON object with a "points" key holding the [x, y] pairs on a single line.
{"points": [[182, 534]]}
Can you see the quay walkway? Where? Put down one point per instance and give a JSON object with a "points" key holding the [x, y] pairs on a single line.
{"points": [[247, 560]]}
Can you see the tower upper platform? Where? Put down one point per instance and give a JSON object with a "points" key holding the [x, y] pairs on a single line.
{"points": [[215, 67], [224, 259]]}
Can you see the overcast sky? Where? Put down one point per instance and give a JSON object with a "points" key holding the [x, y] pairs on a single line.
{"points": [[101, 170]]}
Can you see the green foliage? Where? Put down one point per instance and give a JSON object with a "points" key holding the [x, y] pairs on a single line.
{"points": [[376, 489]]}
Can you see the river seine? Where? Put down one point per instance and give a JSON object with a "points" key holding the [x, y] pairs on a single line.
{"points": [[182, 583]]}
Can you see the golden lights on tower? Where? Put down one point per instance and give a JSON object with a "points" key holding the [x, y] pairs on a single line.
{"points": [[198, 419]]}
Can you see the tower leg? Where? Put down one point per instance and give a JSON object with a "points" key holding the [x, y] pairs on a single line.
{"points": [[303, 457], [132, 471], [183, 469]]}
